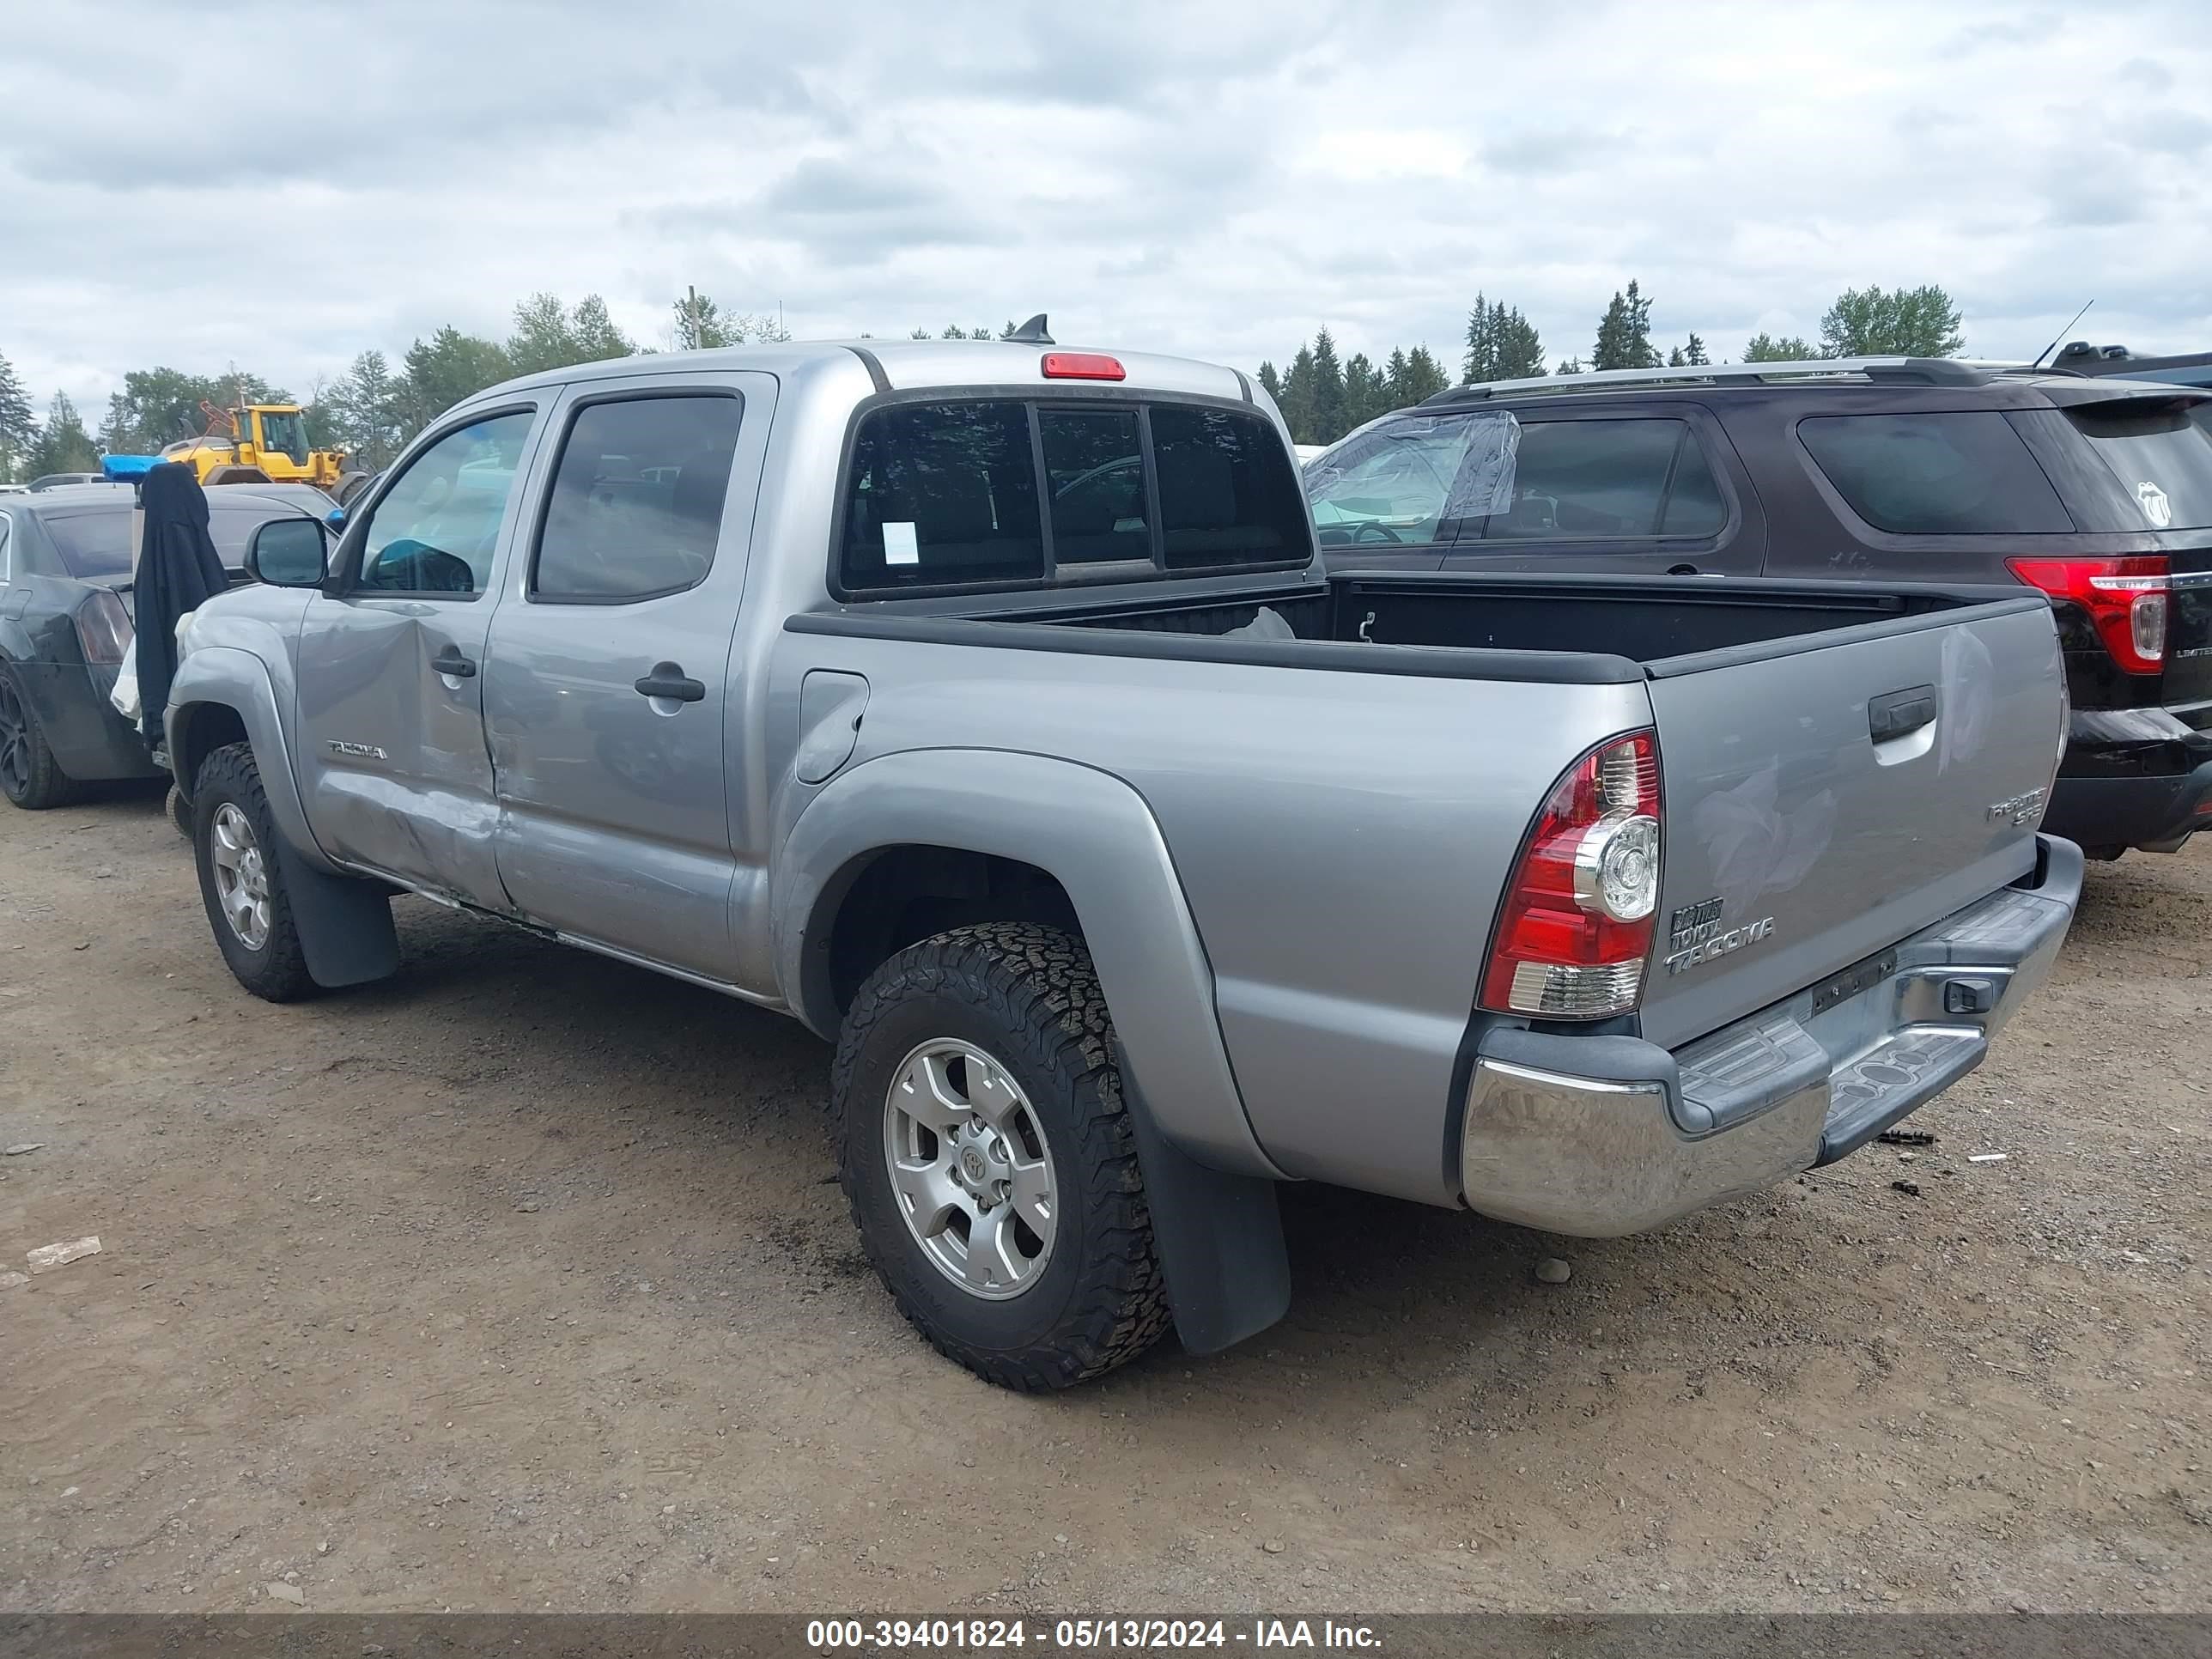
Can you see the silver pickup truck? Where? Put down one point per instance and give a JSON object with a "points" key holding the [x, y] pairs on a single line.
{"points": [[989, 708]]}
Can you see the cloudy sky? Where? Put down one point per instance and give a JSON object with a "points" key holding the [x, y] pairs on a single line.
{"points": [[1219, 179]]}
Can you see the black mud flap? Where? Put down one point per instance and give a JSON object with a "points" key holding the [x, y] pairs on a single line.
{"points": [[345, 924], [1220, 1238]]}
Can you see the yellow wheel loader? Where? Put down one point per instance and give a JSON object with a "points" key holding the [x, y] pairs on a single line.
{"points": [[264, 443]]}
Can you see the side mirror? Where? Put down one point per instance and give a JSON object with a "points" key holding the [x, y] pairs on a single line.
{"points": [[335, 518], [288, 553]]}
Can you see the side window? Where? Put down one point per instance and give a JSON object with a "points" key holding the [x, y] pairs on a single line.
{"points": [[1228, 493], [1594, 481], [1966, 473], [435, 528], [940, 494], [637, 498], [1695, 506], [1094, 466]]}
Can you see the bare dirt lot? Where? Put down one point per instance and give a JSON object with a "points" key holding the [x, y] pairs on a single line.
{"points": [[520, 1281]]}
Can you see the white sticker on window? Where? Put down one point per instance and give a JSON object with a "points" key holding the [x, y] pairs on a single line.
{"points": [[899, 545], [2157, 506]]}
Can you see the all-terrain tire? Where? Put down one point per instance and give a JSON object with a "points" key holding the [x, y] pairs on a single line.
{"points": [[1028, 996], [34, 780], [276, 969]]}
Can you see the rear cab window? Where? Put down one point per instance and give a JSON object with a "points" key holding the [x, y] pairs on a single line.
{"points": [[947, 493]]}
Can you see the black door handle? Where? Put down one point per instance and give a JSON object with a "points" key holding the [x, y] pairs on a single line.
{"points": [[668, 680], [451, 661], [1896, 714], [1682, 570]]}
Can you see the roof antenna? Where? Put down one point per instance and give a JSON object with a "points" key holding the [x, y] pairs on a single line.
{"points": [[1032, 333], [2061, 334]]}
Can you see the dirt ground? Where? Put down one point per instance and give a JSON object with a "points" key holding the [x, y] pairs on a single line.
{"points": [[521, 1282]]}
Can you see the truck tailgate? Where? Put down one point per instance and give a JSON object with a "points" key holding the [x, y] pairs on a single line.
{"points": [[1826, 796]]}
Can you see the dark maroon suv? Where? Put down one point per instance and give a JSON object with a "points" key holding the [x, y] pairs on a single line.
{"points": [[2096, 489]]}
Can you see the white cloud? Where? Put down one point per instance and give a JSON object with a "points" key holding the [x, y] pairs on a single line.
{"points": [[1217, 180]]}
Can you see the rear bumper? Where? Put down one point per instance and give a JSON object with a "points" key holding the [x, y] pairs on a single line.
{"points": [[2136, 777], [2140, 811], [1599, 1136]]}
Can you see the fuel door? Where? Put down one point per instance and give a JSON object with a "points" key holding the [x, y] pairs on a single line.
{"points": [[829, 710]]}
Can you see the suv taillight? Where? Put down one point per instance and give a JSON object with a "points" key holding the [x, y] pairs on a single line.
{"points": [[2125, 598], [103, 627], [1576, 927]]}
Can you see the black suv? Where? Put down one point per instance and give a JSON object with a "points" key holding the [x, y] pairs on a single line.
{"points": [[2097, 490]]}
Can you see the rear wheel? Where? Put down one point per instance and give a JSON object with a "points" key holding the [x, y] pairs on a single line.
{"points": [[241, 880], [30, 776], [989, 1161], [349, 485]]}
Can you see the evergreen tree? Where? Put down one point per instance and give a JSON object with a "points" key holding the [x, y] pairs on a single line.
{"points": [[18, 430], [116, 436], [1394, 385], [63, 445], [365, 412], [1767, 349], [953, 331], [919, 334], [1328, 390], [1366, 393], [1297, 398], [1569, 366], [442, 371], [1502, 345], [1695, 356], [1480, 363], [1624, 333], [1918, 322], [1271, 381], [1425, 376], [1675, 359]]}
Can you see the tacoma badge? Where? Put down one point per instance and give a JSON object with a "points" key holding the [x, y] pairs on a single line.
{"points": [[1694, 934]]}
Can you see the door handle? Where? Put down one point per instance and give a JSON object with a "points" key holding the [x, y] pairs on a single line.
{"points": [[668, 680], [1899, 714], [451, 661], [1683, 570]]}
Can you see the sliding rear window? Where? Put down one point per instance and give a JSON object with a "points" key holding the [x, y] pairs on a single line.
{"points": [[1025, 492]]}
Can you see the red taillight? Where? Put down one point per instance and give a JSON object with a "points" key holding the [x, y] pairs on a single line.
{"points": [[1576, 923], [103, 627], [1082, 366], [2125, 598]]}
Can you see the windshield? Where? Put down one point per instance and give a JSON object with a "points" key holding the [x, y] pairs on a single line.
{"points": [[1399, 480], [93, 544], [287, 434]]}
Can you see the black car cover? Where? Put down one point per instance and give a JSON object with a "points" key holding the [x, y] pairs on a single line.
{"points": [[178, 569]]}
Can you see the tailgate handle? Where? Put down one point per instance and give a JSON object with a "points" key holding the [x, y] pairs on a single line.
{"points": [[1899, 714]]}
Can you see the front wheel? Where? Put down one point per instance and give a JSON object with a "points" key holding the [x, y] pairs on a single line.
{"points": [[989, 1157], [241, 880]]}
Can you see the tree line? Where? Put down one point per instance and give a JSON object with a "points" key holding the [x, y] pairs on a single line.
{"points": [[1323, 398], [376, 405]]}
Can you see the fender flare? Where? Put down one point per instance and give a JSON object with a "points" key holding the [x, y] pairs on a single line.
{"points": [[346, 931], [228, 676], [1210, 1185]]}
